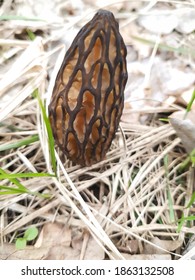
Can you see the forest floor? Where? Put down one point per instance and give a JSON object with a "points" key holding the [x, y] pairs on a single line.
{"points": [[138, 203]]}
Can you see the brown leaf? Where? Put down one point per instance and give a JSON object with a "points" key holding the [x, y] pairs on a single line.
{"points": [[147, 257], [63, 253], [9, 252], [131, 247], [93, 250], [53, 234], [168, 245], [89, 248]]}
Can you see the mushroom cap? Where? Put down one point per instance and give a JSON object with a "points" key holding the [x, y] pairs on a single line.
{"points": [[88, 96]]}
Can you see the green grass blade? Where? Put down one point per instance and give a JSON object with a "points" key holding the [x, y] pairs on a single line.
{"points": [[182, 220], [170, 201], [13, 180], [189, 218], [187, 161], [20, 188], [192, 199], [164, 119], [180, 223], [184, 164], [5, 190], [189, 106], [8, 193], [31, 35], [192, 157], [19, 143], [24, 175], [49, 132], [10, 190]]}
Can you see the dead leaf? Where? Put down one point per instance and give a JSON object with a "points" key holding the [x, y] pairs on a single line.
{"points": [[63, 253], [88, 246], [93, 250], [77, 239], [9, 252], [54, 234], [185, 128], [168, 245], [131, 247], [147, 257]]}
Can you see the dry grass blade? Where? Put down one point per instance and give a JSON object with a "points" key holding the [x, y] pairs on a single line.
{"points": [[125, 204], [91, 222]]}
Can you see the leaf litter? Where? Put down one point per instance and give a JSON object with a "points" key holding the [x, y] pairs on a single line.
{"points": [[120, 207]]}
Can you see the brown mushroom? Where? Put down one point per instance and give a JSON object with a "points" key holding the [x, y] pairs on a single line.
{"points": [[88, 95]]}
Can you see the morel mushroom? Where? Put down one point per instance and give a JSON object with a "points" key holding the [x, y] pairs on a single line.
{"points": [[88, 95]]}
